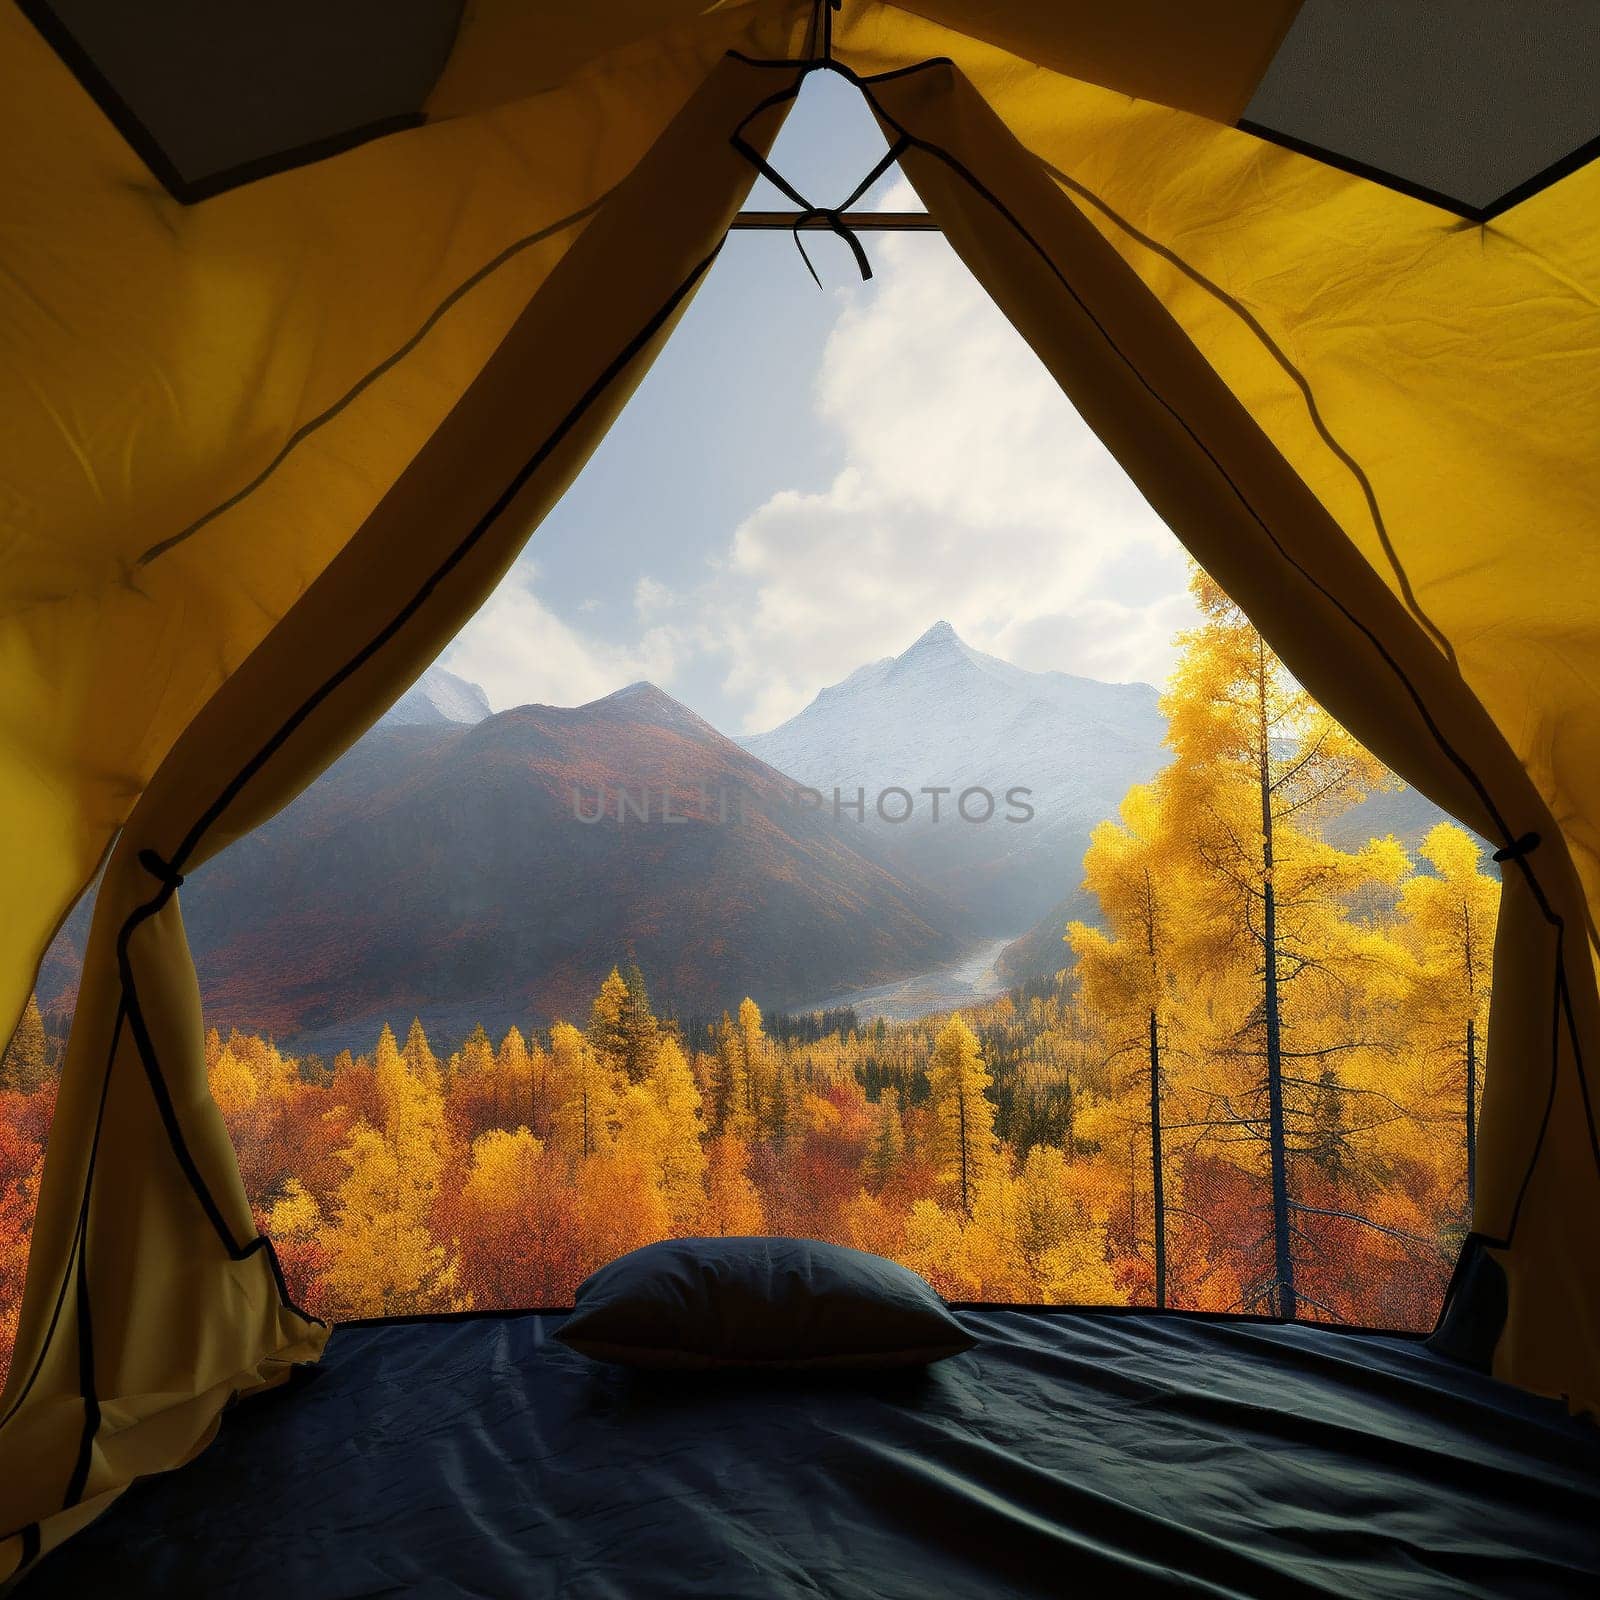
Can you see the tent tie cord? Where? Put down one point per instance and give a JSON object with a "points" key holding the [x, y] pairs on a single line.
{"points": [[822, 22], [1518, 848], [162, 871], [808, 213]]}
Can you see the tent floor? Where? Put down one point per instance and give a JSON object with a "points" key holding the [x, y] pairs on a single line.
{"points": [[1079, 1453]]}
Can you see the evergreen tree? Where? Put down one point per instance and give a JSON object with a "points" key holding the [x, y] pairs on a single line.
{"points": [[475, 1059], [730, 1084], [641, 1032], [887, 1149], [608, 1029]]}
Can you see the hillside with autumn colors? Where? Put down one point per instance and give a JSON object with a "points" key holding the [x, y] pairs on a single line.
{"points": [[1251, 1085], [449, 870]]}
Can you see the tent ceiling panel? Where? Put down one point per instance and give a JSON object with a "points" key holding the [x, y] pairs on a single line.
{"points": [[1473, 106], [214, 95]]}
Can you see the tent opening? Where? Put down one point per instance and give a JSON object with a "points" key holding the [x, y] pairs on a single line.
{"points": [[1029, 925], [852, 814]]}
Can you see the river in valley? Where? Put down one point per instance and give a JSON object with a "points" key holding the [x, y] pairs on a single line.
{"points": [[965, 982]]}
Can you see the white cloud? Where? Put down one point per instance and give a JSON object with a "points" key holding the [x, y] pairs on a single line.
{"points": [[651, 598], [971, 490], [522, 653]]}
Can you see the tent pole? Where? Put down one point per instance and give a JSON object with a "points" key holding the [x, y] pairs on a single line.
{"points": [[866, 221]]}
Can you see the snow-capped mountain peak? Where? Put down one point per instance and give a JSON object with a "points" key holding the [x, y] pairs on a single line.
{"points": [[943, 714], [437, 697]]}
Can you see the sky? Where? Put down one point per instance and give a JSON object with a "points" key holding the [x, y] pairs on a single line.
{"points": [[805, 481]]}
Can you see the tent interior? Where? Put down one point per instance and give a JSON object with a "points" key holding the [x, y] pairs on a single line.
{"points": [[1239, 1108]]}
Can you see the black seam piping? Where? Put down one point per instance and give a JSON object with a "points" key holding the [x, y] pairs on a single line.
{"points": [[306, 429], [86, 1374], [100, 89], [168, 1112], [1572, 162], [1563, 167], [811, 64], [145, 145], [301, 155], [1461, 764], [1295, 376], [78, 1232]]}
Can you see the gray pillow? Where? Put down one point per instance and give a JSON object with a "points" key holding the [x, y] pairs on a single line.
{"points": [[699, 1303]]}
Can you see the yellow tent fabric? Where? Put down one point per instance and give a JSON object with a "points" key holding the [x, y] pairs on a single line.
{"points": [[266, 453]]}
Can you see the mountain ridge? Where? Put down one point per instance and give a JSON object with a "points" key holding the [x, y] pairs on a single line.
{"points": [[494, 873], [492, 867]]}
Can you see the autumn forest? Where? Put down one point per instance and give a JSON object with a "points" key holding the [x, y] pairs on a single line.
{"points": [[1252, 1086]]}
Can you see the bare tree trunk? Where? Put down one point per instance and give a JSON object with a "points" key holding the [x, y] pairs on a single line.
{"points": [[1472, 1062], [1158, 1198], [961, 1125], [1472, 1113], [1283, 1257], [1157, 1177]]}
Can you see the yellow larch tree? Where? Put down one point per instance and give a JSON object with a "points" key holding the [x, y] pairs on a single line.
{"points": [[1449, 921], [1062, 1246], [496, 1215], [758, 1064], [474, 1061], [514, 1081], [1258, 764], [233, 1083], [25, 1066], [586, 1093], [620, 1205], [679, 1156], [295, 1214], [382, 1255], [1137, 981], [418, 1052], [936, 1246], [962, 1145], [733, 1207]]}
